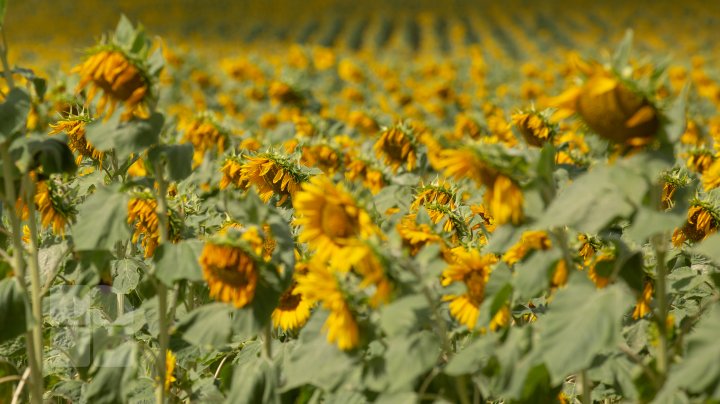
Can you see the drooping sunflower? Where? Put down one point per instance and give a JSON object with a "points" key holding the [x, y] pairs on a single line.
{"points": [[142, 213], [272, 174], [505, 200], [610, 107], [642, 307], [322, 156], [702, 221], [372, 177], [699, 160], [321, 285], [529, 241], [397, 147], [55, 210], [711, 176], [74, 127], [120, 78], [170, 360], [332, 221], [534, 127], [598, 269], [370, 266], [205, 135], [473, 269], [416, 235], [440, 192], [230, 262], [232, 173]]}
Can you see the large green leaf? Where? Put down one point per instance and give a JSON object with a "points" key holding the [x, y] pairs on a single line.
{"points": [[699, 370], [207, 326], [254, 379], [102, 221], [581, 322], [533, 275], [315, 361], [473, 357], [13, 113], [114, 370], [52, 154], [178, 157], [125, 137], [12, 310], [125, 275], [174, 262], [406, 358], [404, 315]]}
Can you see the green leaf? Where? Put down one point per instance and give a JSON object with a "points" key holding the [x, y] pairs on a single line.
{"points": [[102, 221], [710, 247], [254, 381], [114, 370], [13, 113], [125, 275], [125, 137], [699, 371], [581, 322], [473, 357], [404, 315], [174, 262], [52, 154], [648, 222], [675, 117], [207, 326], [533, 275], [12, 310], [178, 157], [316, 361], [589, 203], [408, 357]]}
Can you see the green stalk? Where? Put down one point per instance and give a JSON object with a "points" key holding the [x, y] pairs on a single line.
{"points": [[36, 288], [18, 265], [662, 302], [163, 338], [586, 388]]}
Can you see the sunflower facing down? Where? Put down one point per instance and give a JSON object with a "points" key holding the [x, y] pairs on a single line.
{"points": [[332, 220], [534, 128], [701, 222], [371, 176], [529, 241], [321, 285], [54, 211], [397, 147], [205, 135], [120, 78], [642, 308], [74, 127], [272, 175], [142, 212], [230, 264], [415, 235], [232, 173], [473, 269]]}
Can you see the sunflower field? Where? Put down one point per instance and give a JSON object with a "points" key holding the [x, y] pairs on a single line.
{"points": [[386, 202]]}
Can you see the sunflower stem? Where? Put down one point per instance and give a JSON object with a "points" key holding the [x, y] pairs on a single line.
{"points": [[5, 63], [662, 302], [267, 343], [36, 288], [18, 265], [164, 321], [586, 387]]}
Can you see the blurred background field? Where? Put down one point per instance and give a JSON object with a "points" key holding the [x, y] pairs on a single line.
{"points": [[515, 30]]}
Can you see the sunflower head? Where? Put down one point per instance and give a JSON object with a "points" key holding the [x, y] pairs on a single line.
{"points": [[397, 147], [534, 126], [230, 262], [53, 204], [205, 134], [272, 174], [440, 192], [231, 173], [121, 67], [529, 241], [331, 218], [473, 269], [416, 235], [74, 127]]}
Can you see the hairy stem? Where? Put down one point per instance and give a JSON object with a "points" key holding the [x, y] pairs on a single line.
{"points": [[164, 320]]}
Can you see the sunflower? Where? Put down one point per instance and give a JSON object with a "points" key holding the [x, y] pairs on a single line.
{"points": [[699, 160], [332, 220], [170, 360], [414, 235], [54, 211], [370, 266], [440, 192], [500, 319], [701, 222], [397, 147], [142, 212], [473, 269], [321, 285], [231, 171], [321, 156], [711, 176], [230, 265], [610, 108], [534, 127], [504, 200], [74, 127], [272, 175], [560, 274], [529, 241], [600, 278], [643, 304], [372, 177], [119, 77], [293, 311], [205, 135], [463, 163]]}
